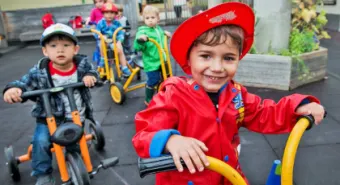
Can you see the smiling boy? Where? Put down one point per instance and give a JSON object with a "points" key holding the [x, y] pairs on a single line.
{"points": [[192, 117]]}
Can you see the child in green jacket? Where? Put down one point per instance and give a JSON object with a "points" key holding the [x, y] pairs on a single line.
{"points": [[151, 56]]}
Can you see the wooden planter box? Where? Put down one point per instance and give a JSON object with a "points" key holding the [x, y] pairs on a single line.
{"points": [[281, 72]]}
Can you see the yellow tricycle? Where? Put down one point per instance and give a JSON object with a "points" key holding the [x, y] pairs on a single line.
{"points": [[166, 68], [119, 85], [281, 173]]}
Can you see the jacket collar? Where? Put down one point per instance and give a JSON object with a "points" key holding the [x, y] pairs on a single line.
{"points": [[43, 66], [43, 63]]}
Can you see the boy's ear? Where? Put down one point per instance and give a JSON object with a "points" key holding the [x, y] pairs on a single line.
{"points": [[44, 51], [189, 63], [76, 49]]}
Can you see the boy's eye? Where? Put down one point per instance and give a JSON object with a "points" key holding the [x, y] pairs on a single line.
{"points": [[53, 45], [206, 56], [229, 58], [66, 45]]}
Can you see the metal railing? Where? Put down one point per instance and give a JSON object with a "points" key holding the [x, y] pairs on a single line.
{"points": [[177, 11]]}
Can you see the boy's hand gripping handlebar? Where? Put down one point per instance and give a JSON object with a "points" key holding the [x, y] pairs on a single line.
{"points": [[166, 163]]}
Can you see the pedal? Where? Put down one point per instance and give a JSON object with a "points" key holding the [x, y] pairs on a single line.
{"points": [[107, 163]]}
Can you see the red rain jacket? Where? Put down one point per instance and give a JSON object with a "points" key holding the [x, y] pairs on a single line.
{"points": [[186, 109]]}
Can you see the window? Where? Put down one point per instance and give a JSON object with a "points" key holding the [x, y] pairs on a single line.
{"points": [[329, 2], [154, 1]]}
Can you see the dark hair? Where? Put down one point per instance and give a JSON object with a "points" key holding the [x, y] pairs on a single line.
{"points": [[58, 37], [94, 1], [220, 35]]}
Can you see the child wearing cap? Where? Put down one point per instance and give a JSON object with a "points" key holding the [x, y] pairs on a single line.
{"points": [[150, 56], [198, 116], [60, 66], [107, 27]]}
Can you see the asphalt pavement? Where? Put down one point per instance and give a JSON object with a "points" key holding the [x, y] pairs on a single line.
{"points": [[317, 161]]}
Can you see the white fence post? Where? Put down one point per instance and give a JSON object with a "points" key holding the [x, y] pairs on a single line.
{"points": [[3, 34]]}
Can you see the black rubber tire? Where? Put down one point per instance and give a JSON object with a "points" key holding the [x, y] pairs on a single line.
{"points": [[77, 169], [99, 139], [139, 75], [12, 164]]}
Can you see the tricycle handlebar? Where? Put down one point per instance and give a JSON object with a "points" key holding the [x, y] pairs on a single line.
{"points": [[155, 165], [31, 94]]}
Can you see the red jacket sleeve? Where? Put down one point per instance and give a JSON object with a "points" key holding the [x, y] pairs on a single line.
{"points": [[155, 125], [268, 117]]}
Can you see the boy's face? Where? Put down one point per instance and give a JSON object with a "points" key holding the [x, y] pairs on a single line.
{"points": [[151, 19], [109, 16], [120, 13], [99, 3], [213, 66], [61, 52]]}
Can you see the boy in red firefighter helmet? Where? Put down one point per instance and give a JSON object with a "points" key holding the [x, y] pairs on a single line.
{"points": [[201, 115], [107, 26]]}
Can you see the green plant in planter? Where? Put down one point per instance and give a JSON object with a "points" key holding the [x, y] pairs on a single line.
{"points": [[306, 32], [307, 26]]}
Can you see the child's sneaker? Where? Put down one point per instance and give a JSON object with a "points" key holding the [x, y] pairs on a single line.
{"points": [[126, 71], [45, 180]]}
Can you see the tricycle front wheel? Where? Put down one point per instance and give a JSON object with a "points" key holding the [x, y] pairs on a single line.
{"points": [[77, 169], [117, 93]]}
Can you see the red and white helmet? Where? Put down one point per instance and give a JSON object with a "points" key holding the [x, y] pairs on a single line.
{"points": [[109, 7]]}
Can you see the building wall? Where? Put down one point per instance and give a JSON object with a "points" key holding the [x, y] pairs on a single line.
{"points": [[7, 5], [333, 9], [333, 16]]}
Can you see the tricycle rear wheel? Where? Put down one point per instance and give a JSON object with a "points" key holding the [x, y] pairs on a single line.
{"points": [[98, 136], [12, 164]]}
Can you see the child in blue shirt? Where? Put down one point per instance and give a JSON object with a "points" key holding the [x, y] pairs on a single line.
{"points": [[107, 27]]}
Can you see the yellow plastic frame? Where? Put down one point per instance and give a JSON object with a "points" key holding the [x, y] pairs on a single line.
{"points": [[160, 52], [287, 163], [290, 151], [110, 75]]}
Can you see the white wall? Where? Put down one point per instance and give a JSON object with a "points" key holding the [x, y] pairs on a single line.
{"points": [[274, 25], [332, 9], [7, 5]]}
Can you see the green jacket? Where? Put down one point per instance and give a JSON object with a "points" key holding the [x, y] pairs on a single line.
{"points": [[150, 53]]}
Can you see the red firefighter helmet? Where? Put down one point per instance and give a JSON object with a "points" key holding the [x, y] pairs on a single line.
{"points": [[109, 7]]}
